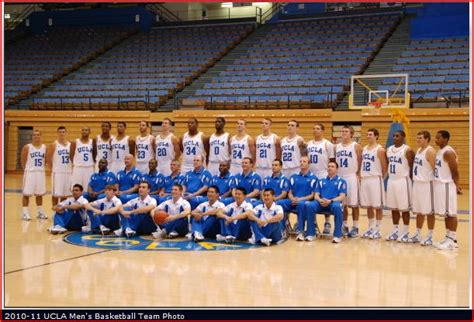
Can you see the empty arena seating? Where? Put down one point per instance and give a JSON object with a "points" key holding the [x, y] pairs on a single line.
{"points": [[299, 64], [38, 60], [144, 71], [437, 68]]}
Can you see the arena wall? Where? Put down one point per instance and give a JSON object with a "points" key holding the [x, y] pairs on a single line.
{"points": [[455, 120]]}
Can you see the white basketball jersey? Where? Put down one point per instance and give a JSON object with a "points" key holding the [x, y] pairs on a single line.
{"points": [[83, 154], [144, 149], [104, 149], [219, 148], [422, 170], [290, 152], [61, 158], [398, 166], [164, 148], [192, 146], [319, 153], [120, 148], [371, 165], [346, 158], [239, 149], [442, 172], [266, 150], [36, 158]]}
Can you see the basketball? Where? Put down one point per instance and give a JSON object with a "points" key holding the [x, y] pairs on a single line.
{"points": [[159, 217]]}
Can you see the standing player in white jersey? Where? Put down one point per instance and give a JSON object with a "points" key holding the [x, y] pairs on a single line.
{"points": [[122, 145], [399, 187], [242, 146], [372, 191], [82, 155], [320, 151], [167, 148], [422, 200], [268, 148], [446, 186], [219, 147], [292, 148], [102, 145], [193, 143], [349, 157], [144, 148], [58, 157], [33, 157]]}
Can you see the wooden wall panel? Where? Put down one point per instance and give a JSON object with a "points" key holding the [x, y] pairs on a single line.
{"points": [[455, 120]]}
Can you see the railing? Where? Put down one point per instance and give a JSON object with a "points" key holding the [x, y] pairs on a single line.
{"points": [[17, 18], [218, 14], [329, 102], [164, 13], [148, 101], [276, 7]]}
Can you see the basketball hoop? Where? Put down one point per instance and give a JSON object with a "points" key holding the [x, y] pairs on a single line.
{"points": [[376, 104]]}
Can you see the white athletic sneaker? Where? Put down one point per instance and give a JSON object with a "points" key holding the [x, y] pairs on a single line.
{"points": [[25, 216], [159, 234], [375, 235], [41, 215], [173, 234], [104, 230], [198, 236], [52, 230], [252, 240], [368, 233], [189, 236], [448, 244], [300, 237], [220, 238], [393, 236], [60, 230], [336, 240], [415, 239], [310, 238], [230, 239], [86, 229], [118, 232], [428, 241], [266, 241], [403, 238], [129, 232]]}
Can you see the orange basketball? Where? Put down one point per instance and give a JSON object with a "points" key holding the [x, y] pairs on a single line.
{"points": [[160, 216]]}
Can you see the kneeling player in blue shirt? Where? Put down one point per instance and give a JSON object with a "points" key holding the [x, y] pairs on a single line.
{"points": [[266, 220], [233, 219], [70, 213], [204, 221], [329, 194]]}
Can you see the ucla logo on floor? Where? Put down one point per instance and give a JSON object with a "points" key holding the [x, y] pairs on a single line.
{"points": [[147, 243]]}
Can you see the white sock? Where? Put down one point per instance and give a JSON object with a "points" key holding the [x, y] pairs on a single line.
{"points": [[452, 235], [40, 209], [447, 232], [25, 210], [371, 223], [344, 223], [378, 224], [418, 231], [355, 223], [395, 227], [430, 233], [405, 229]]}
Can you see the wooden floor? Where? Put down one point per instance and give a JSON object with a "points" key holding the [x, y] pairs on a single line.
{"points": [[42, 270]]}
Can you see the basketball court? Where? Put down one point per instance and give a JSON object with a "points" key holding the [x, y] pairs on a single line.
{"points": [[42, 270]]}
